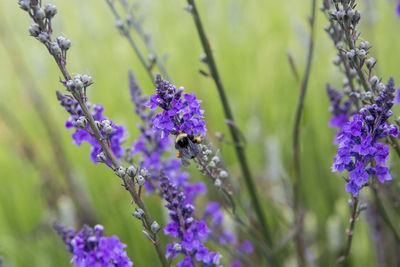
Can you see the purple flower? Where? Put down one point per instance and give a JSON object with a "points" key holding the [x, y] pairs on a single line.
{"points": [[359, 142], [398, 9], [81, 135], [178, 114], [90, 248], [341, 112]]}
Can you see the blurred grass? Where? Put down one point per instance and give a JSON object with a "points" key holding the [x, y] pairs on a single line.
{"points": [[250, 40]]}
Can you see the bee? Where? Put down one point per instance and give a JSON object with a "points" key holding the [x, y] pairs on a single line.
{"points": [[186, 144]]}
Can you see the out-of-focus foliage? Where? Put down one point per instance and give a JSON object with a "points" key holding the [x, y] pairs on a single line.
{"points": [[250, 40]]}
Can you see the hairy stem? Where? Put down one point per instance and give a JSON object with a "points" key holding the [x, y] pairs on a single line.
{"points": [[240, 152], [296, 137], [353, 218]]}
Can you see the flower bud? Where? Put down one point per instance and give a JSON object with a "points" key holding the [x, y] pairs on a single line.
{"points": [[336, 60], [138, 214], [98, 125], [78, 84], [43, 37], [155, 227], [34, 30], [81, 122], [108, 130], [140, 180], [70, 85], [223, 174], [374, 81], [211, 164], [144, 172], [370, 63], [217, 183], [50, 10], [101, 157], [216, 159], [55, 49], [131, 171], [362, 53], [203, 58], [119, 24], [105, 123], [350, 54], [86, 80], [64, 43], [177, 247], [24, 4], [364, 45], [121, 171], [39, 14]]}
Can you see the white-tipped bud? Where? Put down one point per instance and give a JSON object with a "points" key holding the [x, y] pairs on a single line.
{"points": [[101, 157], [339, 45], [34, 30], [336, 60], [64, 43], [39, 14], [119, 24], [121, 171], [203, 58], [131, 171], [140, 180], [70, 85], [211, 164], [43, 37], [370, 63], [55, 48], [108, 129], [381, 87], [217, 183], [138, 214], [351, 13], [374, 81], [189, 8], [216, 159], [208, 152], [81, 122], [223, 174], [177, 247], [87, 80], [24, 4], [78, 84], [144, 172], [50, 10], [364, 45], [362, 53], [155, 227], [105, 123], [350, 54], [151, 57]]}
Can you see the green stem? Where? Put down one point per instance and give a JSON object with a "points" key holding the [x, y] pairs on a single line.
{"points": [[240, 152], [296, 137], [353, 219], [131, 41], [384, 214]]}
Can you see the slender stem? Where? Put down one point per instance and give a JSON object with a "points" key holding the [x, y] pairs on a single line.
{"points": [[146, 40], [353, 218], [296, 137], [240, 152], [127, 34], [384, 214]]}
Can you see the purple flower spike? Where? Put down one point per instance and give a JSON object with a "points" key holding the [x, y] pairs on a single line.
{"points": [[90, 248], [178, 114], [82, 132], [359, 142]]}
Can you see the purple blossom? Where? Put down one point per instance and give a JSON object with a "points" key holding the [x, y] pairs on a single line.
{"points": [[398, 9], [178, 114], [341, 112], [359, 142], [81, 135], [190, 233], [90, 248]]}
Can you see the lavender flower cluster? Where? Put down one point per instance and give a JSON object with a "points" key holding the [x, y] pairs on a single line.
{"points": [[112, 132], [178, 114], [190, 232], [90, 248], [359, 151]]}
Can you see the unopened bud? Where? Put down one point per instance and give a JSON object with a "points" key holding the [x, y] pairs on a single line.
{"points": [[121, 171], [177, 247], [34, 30], [223, 174], [43, 37], [39, 14], [119, 24], [138, 214], [155, 227], [131, 171], [86, 80], [108, 130], [217, 183], [144, 172], [55, 49], [50, 10], [140, 180], [370, 63], [101, 157]]}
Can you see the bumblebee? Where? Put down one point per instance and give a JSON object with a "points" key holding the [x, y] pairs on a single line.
{"points": [[186, 144]]}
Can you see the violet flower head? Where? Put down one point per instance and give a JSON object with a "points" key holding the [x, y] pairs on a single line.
{"points": [[181, 111], [82, 131], [398, 9], [340, 111], [90, 248], [359, 142], [191, 233]]}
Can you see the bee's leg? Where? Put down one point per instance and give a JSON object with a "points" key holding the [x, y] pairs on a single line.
{"points": [[178, 154]]}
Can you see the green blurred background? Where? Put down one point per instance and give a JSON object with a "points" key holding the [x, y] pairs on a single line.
{"points": [[250, 40]]}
